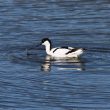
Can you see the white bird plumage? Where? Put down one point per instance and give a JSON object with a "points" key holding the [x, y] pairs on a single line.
{"points": [[61, 52]]}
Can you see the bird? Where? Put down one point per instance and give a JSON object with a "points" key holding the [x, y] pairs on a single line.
{"points": [[61, 52]]}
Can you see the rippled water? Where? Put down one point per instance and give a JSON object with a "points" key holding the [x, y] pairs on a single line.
{"points": [[34, 82]]}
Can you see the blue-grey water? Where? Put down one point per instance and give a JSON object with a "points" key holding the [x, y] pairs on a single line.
{"points": [[33, 82]]}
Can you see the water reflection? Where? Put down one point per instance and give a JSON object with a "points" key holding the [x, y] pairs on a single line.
{"points": [[62, 64], [46, 66], [48, 63]]}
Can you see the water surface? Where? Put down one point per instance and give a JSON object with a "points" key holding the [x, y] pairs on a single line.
{"points": [[34, 83]]}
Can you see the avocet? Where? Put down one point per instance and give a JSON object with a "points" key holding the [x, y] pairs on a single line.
{"points": [[61, 52]]}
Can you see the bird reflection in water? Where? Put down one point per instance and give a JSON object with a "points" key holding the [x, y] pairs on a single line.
{"points": [[46, 66], [62, 64]]}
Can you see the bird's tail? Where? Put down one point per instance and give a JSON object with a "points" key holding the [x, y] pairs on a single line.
{"points": [[79, 52]]}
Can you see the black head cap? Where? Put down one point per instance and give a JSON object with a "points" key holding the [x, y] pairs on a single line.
{"points": [[45, 39]]}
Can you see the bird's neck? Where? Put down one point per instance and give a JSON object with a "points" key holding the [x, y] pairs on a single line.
{"points": [[48, 48]]}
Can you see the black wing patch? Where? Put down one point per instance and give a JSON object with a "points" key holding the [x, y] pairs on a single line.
{"points": [[72, 50], [65, 47], [60, 48], [55, 50]]}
